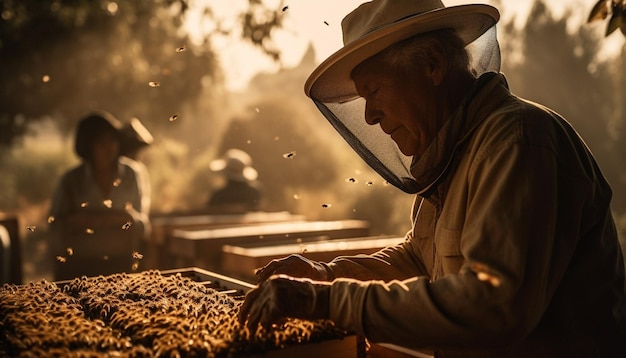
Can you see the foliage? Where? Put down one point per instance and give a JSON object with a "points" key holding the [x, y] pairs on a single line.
{"points": [[561, 70], [29, 173], [304, 165], [617, 11], [63, 58], [259, 22]]}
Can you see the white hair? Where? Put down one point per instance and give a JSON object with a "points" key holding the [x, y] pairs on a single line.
{"points": [[417, 51]]}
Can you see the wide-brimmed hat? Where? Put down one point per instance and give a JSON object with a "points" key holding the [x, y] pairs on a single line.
{"points": [[377, 24], [135, 136], [235, 164]]}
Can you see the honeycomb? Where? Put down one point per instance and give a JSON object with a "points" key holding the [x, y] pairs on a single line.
{"points": [[145, 314]]}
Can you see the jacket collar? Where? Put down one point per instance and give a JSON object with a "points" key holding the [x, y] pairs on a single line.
{"points": [[484, 96]]}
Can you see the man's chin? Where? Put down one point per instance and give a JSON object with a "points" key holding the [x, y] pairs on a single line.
{"points": [[409, 152], [405, 151], [404, 147]]}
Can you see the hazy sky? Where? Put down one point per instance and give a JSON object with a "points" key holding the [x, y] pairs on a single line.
{"points": [[317, 22]]}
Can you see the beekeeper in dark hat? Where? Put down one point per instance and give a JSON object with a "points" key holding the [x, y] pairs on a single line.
{"points": [[513, 250], [242, 191], [97, 214]]}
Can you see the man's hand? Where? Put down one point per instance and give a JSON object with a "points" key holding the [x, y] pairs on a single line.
{"points": [[296, 266], [283, 296]]}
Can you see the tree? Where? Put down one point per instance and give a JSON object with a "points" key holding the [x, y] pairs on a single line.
{"points": [[304, 165], [62, 58], [561, 70]]}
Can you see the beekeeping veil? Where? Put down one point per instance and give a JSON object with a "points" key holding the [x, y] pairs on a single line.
{"points": [[368, 30]]}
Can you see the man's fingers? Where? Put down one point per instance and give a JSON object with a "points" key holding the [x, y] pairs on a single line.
{"points": [[244, 310], [253, 319], [278, 297], [257, 305], [267, 316], [261, 274], [266, 271], [257, 312], [294, 265]]}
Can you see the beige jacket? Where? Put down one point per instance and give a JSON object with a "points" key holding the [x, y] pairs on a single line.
{"points": [[513, 253]]}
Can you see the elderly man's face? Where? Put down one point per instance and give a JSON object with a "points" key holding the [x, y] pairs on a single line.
{"points": [[403, 104]]}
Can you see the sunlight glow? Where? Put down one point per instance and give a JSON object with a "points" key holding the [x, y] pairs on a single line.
{"points": [[318, 22]]}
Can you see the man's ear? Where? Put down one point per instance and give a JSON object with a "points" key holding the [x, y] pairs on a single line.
{"points": [[437, 63]]}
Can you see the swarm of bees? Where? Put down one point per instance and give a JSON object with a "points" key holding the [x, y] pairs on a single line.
{"points": [[145, 314]]}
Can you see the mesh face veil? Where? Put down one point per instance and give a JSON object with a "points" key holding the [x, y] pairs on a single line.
{"points": [[346, 113]]}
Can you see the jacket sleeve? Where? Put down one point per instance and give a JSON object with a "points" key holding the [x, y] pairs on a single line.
{"points": [[392, 263], [508, 275]]}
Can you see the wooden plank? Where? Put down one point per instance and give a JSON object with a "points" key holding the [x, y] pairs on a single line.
{"points": [[162, 225], [268, 229], [385, 350], [347, 347], [242, 260], [203, 247], [157, 247], [264, 250], [209, 219]]}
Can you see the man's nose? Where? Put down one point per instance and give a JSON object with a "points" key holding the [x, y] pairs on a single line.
{"points": [[371, 117]]}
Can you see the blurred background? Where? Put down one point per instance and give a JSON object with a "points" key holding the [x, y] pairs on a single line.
{"points": [[208, 75]]}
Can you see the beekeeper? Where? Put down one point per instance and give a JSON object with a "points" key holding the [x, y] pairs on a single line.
{"points": [[513, 250]]}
